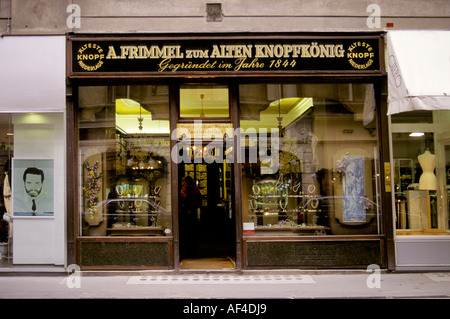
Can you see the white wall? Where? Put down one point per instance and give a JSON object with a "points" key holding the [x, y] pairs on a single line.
{"points": [[157, 16], [33, 88], [32, 76], [423, 252]]}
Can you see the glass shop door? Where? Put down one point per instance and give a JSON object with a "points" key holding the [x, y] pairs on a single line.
{"points": [[207, 225], [206, 209]]}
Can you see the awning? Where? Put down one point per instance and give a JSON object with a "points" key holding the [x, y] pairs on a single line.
{"points": [[418, 70]]}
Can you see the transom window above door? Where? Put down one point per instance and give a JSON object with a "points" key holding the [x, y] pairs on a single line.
{"points": [[204, 102]]}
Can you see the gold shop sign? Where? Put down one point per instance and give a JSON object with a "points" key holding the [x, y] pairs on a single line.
{"points": [[223, 56]]}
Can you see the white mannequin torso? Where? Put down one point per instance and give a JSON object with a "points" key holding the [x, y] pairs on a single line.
{"points": [[427, 180]]}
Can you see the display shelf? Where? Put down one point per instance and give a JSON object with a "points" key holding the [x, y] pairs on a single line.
{"points": [[279, 205], [300, 229], [140, 214]]}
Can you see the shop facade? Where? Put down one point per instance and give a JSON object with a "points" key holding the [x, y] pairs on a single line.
{"points": [[418, 121], [294, 120], [284, 135]]}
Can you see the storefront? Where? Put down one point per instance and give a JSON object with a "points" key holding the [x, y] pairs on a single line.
{"points": [[419, 116], [283, 135], [32, 151]]}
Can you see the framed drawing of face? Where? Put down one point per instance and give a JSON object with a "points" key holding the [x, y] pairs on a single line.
{"points": [[32, 187]]}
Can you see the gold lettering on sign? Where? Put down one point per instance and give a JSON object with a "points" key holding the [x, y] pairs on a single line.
{"points": [[246, 64], [313, 50], [167, 65], [225, 57], [144, 52], [231, 51]]}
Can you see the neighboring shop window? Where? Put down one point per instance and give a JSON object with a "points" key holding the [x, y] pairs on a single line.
{"points": [[6, 156], [124, 149], [321, 178], [32, 185], [421, 176]]}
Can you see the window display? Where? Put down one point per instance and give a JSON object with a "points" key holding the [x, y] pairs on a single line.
{"points": [[6, 156], [420, 143], [124, 161], [326, 182], [32, 188]]}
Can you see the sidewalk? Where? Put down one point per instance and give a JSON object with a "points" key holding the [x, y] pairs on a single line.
{"points": [[280, 284]]}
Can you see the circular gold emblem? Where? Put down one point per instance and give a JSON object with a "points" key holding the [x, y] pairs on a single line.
{"points": [[360, 55], [90, 56]]}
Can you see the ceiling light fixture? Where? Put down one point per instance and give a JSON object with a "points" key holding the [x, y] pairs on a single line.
{"points": [[279, 118], [140, 119], [417, 134], [202, 114]]}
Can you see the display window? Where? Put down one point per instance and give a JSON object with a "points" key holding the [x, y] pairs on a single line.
{"points": [[6, 155], [124, 161], [421, 172], [32, 188], [322, 176]]}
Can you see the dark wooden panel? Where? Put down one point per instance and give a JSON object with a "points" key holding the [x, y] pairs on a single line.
{"points": [[313, 254], [151, 254]]}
